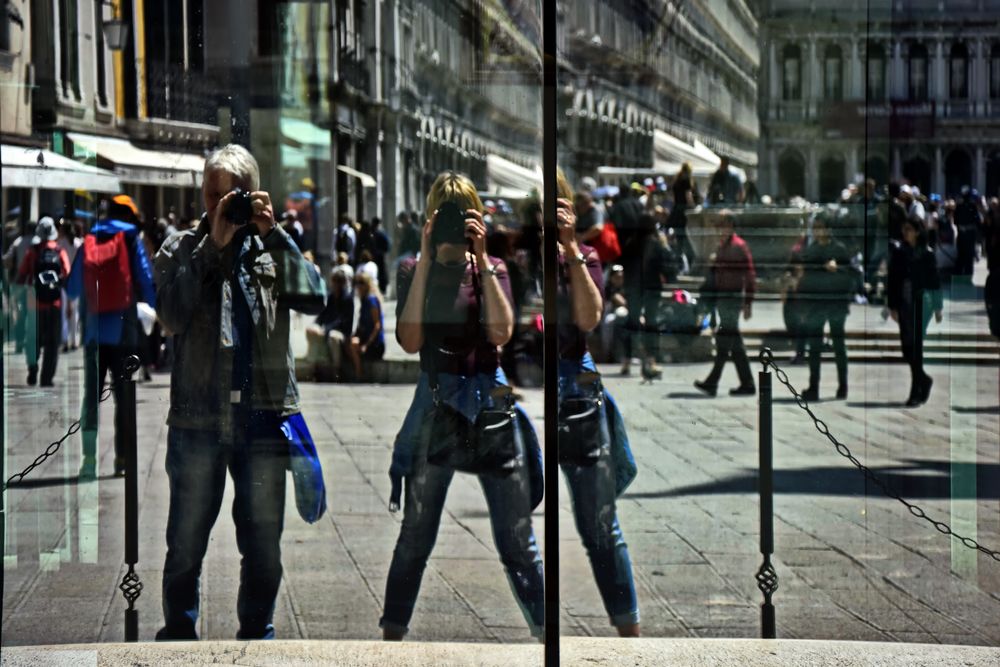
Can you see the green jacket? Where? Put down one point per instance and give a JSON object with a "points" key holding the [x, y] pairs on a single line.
{"points": [[194, 299]]}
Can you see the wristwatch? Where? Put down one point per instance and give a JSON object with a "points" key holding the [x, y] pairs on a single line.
{"points": [[490, 269], [580, 259]]}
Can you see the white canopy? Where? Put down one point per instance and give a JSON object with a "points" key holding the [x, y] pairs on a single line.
{"points": [[24, 167], [507, 179], [669, 153], [140, 165]]}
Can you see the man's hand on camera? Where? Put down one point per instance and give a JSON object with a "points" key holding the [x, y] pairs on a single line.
{"points": [[222, 230], [263, 213]]}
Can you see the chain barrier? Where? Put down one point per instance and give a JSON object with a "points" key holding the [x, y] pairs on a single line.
{"points": [[767, 359], [53, 448]]}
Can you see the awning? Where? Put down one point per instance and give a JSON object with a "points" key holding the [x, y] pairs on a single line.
{"points": [[366, 180], [507, 179], [669, 153], [302, 141], [139, 165], [39, 168]]}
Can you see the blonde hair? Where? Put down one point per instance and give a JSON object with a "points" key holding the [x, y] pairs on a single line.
{"points": [[371, 285], [236, 161], [685, 170], [563, 189], [454, 187]]}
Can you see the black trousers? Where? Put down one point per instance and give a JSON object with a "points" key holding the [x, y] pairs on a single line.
{"points": [[911, 340], [818, 314], [729, 345], [47, 339], [99, 360]]}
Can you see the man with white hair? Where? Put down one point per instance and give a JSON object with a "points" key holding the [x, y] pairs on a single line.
{"points": [[909, 197], [224, 290]]}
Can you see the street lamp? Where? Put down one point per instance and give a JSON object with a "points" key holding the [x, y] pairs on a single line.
{"points": [[115, 30]]}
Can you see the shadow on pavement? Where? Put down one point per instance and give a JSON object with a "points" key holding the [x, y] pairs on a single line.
{"points": [[42, 482], [916, 479]]}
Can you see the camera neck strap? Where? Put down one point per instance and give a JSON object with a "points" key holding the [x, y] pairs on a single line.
{"points": [[432, 357]]}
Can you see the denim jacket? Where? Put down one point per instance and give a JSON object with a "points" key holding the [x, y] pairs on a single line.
{"points": [[194, 297]]}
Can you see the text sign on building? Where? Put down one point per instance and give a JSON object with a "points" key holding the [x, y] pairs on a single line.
{"points": [[888, 120]]}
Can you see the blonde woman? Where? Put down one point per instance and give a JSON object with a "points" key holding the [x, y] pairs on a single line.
{"points": [[454, 309], [368, 342]]}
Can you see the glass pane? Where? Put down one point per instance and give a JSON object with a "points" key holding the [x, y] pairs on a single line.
{"points": [[310, 297], [751, 216]]}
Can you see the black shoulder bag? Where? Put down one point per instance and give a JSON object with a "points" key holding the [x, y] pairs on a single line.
{"points": [[583, 424], [487, 446]]}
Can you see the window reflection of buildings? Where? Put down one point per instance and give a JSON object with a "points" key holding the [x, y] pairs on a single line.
{"points": [[937, 75], [632, 68]]}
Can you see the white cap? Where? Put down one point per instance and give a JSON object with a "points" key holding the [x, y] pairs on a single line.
{"points": [[587, 184], [45, 231], [905, 190]]}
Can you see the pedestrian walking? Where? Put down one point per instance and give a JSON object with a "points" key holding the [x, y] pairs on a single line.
{"points": [[594, 452], [825, 292], [224, 291], [70, 242], [732, 281], [725, 187], [43, 271], [381, 245], [110, 276], [648, 264], [913, 294], [12, 259], [454, 308], [686, 197]]}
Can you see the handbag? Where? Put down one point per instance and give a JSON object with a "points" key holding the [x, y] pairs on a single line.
{"points": [[606, 244], [583, 425], [307, 473], [488, 445]]}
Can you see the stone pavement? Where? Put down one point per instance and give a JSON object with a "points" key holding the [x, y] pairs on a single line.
{"points": [[573, 651], [853, 565]]}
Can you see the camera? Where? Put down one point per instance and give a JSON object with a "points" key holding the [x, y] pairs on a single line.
{"points": [[239, 210], [449, 225]]}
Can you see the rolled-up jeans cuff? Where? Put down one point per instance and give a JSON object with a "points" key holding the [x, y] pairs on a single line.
{"points": [[628, 618], [393, 627]]}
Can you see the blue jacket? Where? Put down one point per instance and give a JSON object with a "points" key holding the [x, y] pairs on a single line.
{"points": [[110, 328]]}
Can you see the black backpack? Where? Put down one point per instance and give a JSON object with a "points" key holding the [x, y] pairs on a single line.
{"points": [[48, 274]]}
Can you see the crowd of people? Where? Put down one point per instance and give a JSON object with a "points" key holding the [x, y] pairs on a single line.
{"points": [[223, 291]]}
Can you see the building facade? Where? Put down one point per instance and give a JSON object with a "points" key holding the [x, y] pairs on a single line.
{"points": [[634, 70], [906, 90]]}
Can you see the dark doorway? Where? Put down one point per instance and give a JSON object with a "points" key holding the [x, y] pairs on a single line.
{"points": [[877, 169], [957, 171], [917, 171], [791, 175], [831, 179]]}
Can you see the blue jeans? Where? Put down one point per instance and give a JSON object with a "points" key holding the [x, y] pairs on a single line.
{"points": [[508, 499], [592, 489], [196, 466]]}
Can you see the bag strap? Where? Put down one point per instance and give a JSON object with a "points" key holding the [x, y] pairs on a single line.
{"points": [[432, 371]]}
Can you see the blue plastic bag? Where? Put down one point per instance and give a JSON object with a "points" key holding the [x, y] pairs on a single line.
{"points": [[307, 474]]}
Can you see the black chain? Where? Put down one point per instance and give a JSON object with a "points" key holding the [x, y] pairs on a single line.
{"points": [[51, 450], [767, 359]]}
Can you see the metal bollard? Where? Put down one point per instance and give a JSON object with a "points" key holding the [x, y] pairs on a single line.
{"points": [[767, 578], [131, 587]]}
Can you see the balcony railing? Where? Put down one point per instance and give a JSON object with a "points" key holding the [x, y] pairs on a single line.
{"points": [[174, 93]]}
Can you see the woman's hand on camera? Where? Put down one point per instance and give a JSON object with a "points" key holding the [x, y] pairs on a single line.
{"points": [[566, 223], [222, 229], [263, 212], [475, 231]]}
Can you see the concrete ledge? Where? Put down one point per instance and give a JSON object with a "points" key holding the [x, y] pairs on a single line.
{"points": [[575, 651]]}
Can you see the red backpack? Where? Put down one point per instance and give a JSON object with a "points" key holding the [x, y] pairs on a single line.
{"points": [[107, 274]]}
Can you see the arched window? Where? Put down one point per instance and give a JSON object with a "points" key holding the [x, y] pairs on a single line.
{"points": [[918, 72], [995, 71], [876, 74], [791, 72], [958, 69], [833, 73]]}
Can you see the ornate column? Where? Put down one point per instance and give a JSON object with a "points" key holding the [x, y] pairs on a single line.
{"points": [[775, 80], [979, 176], [937, 178], [857, 77], [897, 73]]}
